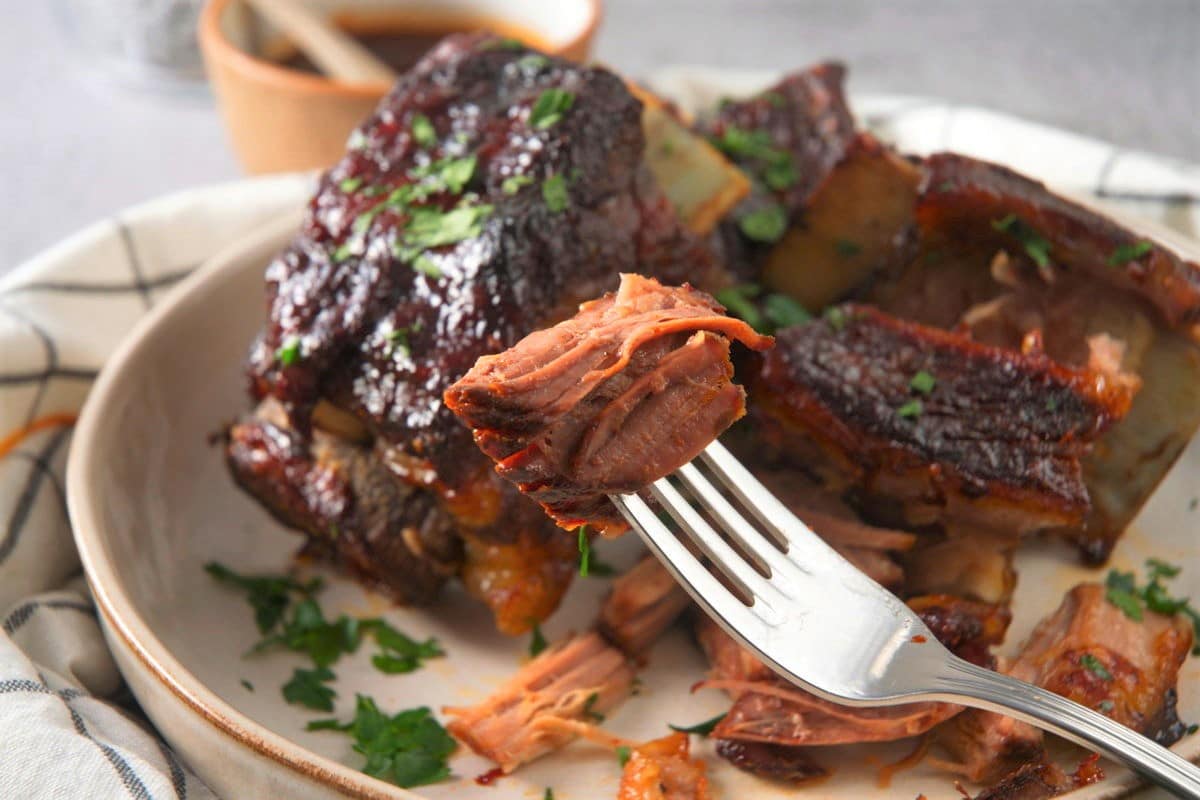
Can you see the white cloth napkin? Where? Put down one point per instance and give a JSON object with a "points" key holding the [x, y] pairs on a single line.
{"points": [[68, 727]]}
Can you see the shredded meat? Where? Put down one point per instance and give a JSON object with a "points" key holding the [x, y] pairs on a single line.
{"points": [[1093, 653], [663, 769], [768, 709], [643, 602], [1090, 651], [573, 680], [628, 390]]}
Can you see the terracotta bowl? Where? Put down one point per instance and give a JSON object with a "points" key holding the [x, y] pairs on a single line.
{"points": [[283, 119]]}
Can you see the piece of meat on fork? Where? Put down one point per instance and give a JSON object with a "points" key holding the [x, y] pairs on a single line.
{"points": [[628, 390]]}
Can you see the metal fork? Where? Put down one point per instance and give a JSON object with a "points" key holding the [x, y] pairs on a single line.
{"points": [[825, 626]]}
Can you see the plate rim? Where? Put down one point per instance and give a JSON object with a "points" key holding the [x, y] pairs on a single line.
{"points": [[121, 618], [117, 610]]}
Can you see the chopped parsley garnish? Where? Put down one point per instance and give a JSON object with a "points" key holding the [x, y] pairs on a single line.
{"points": [[784, 312], [910, 410], [585, 552], [397, 342], [774, 98], [446, 174], [289, 352], [422, 131], [515, 183], [1036, 246], [1095, 666], [554, 193], [739, 301], [399, 653], [349, 185], [767, 224], [430, 227], [774, 166], [922, 382], [426, 266], [533, 61], [742, 143], [408, 749], [503, 43], [1125, 253], [1105, 705], [247, 685], [700, 728], [588, 712], [779, 175], [269, 595], [623, 754], [307, 631], [1121, 591], [836, 317], [550, 107], [847, 248], [307, 688], [343, 252], [1161, 569], [537, 642], [1052, 404], [600, 569]]}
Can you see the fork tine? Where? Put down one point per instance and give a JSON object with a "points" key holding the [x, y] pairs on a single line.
{"points": [[723, 557], [693, 576], [754, 496], [739, 528]]}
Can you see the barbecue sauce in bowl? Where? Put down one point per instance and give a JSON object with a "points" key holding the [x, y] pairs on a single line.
{"points": [[401, 39]]}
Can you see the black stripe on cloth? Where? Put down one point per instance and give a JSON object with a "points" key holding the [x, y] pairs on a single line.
{"points": [[125, 771], [73, 287], [22, 613], [1166, 198], [178, 778], [72, 373], [25, 499], [23, 685], [1106, 170], [51, 351], [135, 262]]}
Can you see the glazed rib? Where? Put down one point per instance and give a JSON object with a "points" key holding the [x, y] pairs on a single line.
{"points": [[492, 191], [994, 440]]}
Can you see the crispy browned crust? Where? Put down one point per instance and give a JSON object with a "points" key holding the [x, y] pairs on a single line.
{"points": [[1001, 431], [390, 536], [961, 197], [1091, 652], [1034, 781]]}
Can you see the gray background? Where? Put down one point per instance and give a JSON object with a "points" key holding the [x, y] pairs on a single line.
{"points": [[76, 148]]}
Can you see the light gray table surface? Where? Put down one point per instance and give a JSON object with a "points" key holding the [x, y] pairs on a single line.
{"points": [[76, 148]]}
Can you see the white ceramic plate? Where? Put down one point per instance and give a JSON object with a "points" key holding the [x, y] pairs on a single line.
{"points": [[151, 502]]}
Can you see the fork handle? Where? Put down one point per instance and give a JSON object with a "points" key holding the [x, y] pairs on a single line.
{"points": [[982, 688]]}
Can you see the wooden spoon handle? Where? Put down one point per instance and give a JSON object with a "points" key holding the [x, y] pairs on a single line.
{"points": [[337, 54]]}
